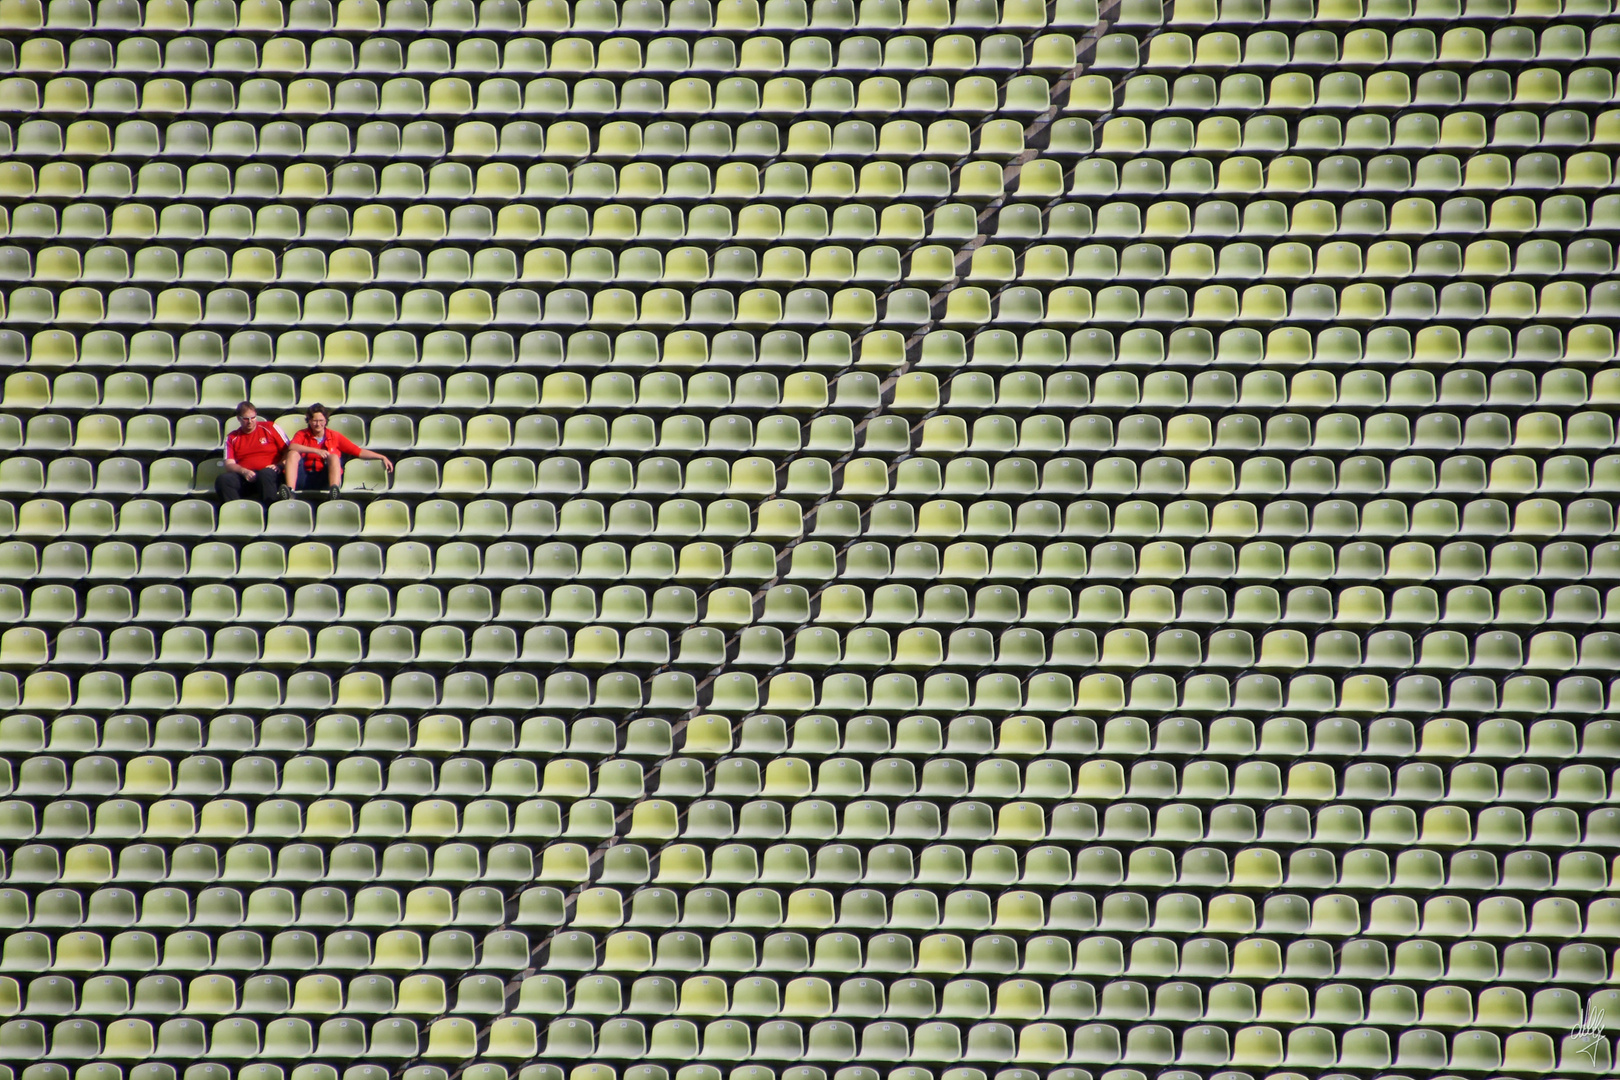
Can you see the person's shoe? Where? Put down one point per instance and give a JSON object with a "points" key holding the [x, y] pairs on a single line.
{"points": [[283, 493], [332, 492]]}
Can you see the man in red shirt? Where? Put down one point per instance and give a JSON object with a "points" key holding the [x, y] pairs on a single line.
{"points": [[314, 457], [252, 454]]}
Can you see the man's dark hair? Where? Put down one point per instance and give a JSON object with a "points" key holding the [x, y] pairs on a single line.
{"points": [[309, 413], [244, 405]]}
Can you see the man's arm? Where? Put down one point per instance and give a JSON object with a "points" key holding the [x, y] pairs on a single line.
{"points": [[372, 455], [230, 463], [352, 449]]}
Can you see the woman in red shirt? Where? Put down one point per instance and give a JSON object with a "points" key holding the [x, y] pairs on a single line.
{"points": [[315, 455]]}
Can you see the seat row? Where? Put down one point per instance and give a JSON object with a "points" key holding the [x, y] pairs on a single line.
{"points": [[1244, 94], [738, 95], [1305, 388], [517, 1038], [1018, 649], [136, 221], [832, 264], [239, 1039], [811, 561], [996, 432], [931, 264], [972, 306], [440, 432], [256, 350], [891, 865], [1071, 999], [682, 779], [267, 1071], [966, 307], [426, 140], [946, 954], [447, 949], [1335, 175], [662, 222], [641, 182], [870, 996], [811, 736], [318, 1071], [889, 520], [321, 820], [1168, 220], [992, 350], [1040, 1044], [1364, 47], [1243, 12], [1334, 433], [484, 820], [858, 996], [1023, 822], [216, 994], [666, 307], [450, 266], [568, 140], [1171, 219], [926, 264], [1370, 47], [782, 519], [838, 952], [1243, 98], [1556, 388], [264, 905], [993, 434], [759, 308], [1012, 562], [427, 55], [178, 391], [93, 863], [408, 564], [617, 224], [1049, 692], [1053, 955], [544, 16], [718, 139], [753, 138], [887, 864], [1384, 261]]}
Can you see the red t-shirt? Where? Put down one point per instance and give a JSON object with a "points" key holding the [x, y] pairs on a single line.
{"points": [[331, 441], [257, 448]]}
